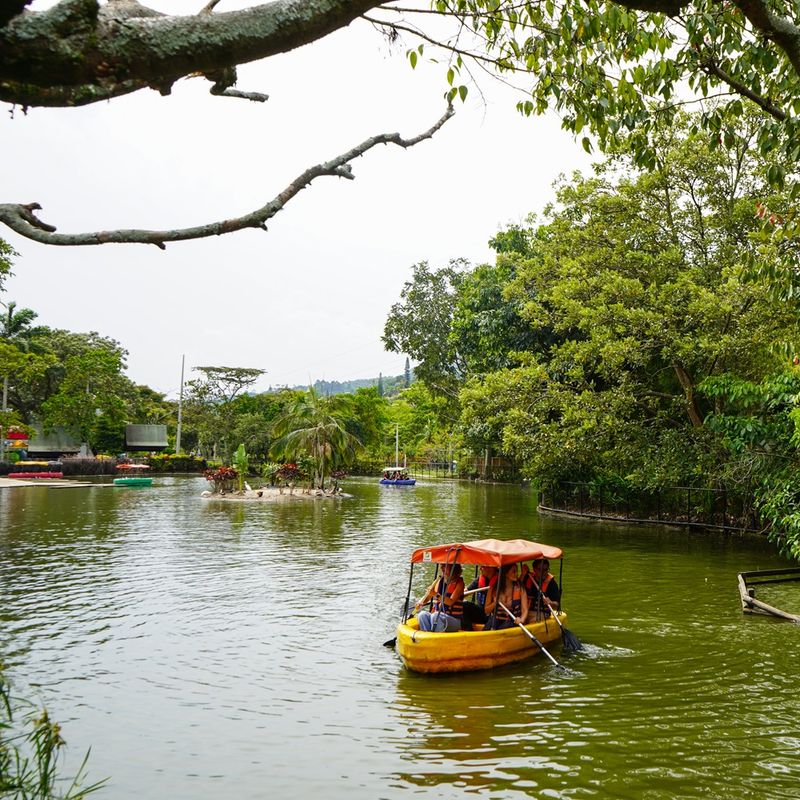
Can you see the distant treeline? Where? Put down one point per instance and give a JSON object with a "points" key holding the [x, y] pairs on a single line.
{"points": [[387, 386]]}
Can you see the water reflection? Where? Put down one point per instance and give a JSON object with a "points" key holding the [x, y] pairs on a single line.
{"points": [[496, 731]]}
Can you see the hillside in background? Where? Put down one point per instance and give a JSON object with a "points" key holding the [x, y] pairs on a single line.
{"points": [[391, 385]]}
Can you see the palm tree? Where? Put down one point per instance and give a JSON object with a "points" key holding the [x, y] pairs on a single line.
{"points": [[317, 426], [16, 324]]}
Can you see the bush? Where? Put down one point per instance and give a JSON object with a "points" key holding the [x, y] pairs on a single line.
{"points": [[222, 479], [173, 462], [88, 466]]}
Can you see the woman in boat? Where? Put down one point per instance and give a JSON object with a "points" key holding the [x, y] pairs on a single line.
{"points": [[512, 596], [447, 593], [475, 612], [542, 589]]}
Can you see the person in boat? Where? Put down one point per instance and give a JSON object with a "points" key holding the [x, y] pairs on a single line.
{"points": [[510, 592], [542, 590], [475, 612], [447, 593]]}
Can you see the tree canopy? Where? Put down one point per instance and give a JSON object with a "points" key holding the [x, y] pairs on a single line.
{"points": [[624, 336], [613, 71]]}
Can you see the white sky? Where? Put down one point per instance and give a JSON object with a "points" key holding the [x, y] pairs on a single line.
{"points": [[308, 299]]}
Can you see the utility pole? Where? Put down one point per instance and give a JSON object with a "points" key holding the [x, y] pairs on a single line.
{"points": [[180, 410]]}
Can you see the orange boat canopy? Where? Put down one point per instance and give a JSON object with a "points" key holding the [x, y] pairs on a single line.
{"points": [[485, 552]]}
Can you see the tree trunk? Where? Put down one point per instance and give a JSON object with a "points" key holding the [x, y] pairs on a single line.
{"points": [[688, 389]]}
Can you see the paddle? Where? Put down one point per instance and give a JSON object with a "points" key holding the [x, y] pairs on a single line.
{"points": [[569, 640], [531, 637], [393, 641]]}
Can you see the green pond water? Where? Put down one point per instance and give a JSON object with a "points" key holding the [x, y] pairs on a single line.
{"points": [[211, 650]]}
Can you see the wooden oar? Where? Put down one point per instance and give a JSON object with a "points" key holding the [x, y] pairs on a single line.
{"points": [[531, 636], [569, 640]]}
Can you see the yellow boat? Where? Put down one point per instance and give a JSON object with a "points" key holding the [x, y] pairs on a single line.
{"points": [[428, 651], [425, 651]]}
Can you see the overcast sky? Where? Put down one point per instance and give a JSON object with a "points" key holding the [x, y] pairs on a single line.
{"points": [[308, 299]]}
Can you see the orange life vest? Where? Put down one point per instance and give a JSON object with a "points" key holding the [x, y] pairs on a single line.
{"points": [[455, 609]]}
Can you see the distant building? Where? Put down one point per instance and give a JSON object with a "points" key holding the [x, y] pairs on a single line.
{"points": [[57, 442], [145, 437]]}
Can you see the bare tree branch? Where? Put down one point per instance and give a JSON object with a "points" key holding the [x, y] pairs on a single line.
{"points": [[22, 220], [210, 7], [256, 97]]}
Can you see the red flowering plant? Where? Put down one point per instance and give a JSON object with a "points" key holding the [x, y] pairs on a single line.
{"points": [[288, 473], [223, 479]]}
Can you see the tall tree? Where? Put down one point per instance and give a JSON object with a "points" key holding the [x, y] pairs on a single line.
{"points": [[209, 406], [487, 325], [20, 366], [15, 330], [420, 326], [641, 277], [89, 400]]}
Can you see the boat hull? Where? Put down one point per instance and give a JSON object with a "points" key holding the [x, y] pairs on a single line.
{"points": [[406, 482], [133, 481], [424, 651]]}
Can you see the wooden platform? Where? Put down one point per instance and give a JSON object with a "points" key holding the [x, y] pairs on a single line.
{"points": [[748, 581]]}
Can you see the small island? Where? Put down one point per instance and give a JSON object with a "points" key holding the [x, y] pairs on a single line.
{"points": [[276, 494], [314, 474]]}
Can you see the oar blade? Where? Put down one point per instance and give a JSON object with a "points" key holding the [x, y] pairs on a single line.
{"points": [[570, 641]]}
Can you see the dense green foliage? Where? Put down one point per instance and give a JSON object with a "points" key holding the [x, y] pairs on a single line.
{"points": [[621, 337], [56, 378]]}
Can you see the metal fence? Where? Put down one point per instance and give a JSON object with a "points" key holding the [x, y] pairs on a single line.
{"points": [[491, 469], [687, 506]]}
